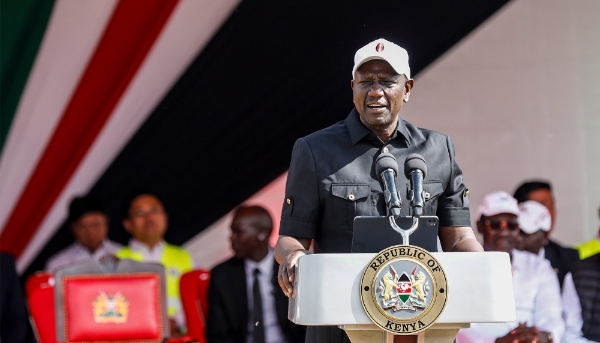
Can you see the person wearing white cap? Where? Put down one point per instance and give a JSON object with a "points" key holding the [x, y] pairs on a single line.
{"points": [[561, 258], [332, 176], [536, 289], [535, 223]]}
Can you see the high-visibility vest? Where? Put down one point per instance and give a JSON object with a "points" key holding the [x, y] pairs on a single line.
{"points": [[176, 261], [589, 248]]}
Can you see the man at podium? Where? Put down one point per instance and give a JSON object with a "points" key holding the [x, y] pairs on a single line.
{"points": [[332, 177]]}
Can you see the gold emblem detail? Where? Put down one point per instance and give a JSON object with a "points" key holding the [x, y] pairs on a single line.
{"points": [[404, 289], [110, 308]]}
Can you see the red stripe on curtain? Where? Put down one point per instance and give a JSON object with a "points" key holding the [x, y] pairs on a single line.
{"points": [[128, 37]]}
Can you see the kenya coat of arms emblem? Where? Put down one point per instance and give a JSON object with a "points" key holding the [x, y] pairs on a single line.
{"points": [[403, 292], [111, 308], [404, 289]]}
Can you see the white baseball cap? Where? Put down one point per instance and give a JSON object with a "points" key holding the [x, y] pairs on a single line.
{"points": [[534, 216], [496, 203], [382, 49]]}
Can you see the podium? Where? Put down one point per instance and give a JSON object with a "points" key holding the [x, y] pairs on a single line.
{"points": [[328, 292]]}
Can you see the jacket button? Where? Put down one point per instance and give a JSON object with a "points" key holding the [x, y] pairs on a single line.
{"points": [[289, 202], [385, 149], [427, 195], [351, 197]]}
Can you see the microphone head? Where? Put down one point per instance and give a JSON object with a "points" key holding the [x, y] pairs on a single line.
{"points": [[386, 161], [414, 161]]}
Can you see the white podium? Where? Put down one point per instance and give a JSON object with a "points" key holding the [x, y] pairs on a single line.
{"points": [[327, 289]]}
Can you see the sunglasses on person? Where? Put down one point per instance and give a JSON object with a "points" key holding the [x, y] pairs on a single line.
{"points": [[498, 225]]}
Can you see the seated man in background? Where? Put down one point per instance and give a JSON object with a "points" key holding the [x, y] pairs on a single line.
{"points": [[146, 220], [246, 303], [581, 301], [534, 222], [560, 258], [591, 247], [536, 290], [89, 224]]}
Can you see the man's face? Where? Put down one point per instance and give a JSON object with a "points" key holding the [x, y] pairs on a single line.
{"points": [[544, 197], [500, 232], [378, 94], [147, 219], [245, 236], [533, 242], [90, 230]]}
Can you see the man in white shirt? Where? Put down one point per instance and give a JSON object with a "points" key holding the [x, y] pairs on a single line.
{"points": [[248, 279], [89, 225], [536, 289]]}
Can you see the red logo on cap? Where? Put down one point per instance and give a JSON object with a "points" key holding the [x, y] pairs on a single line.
{"points": [[379, 47]]}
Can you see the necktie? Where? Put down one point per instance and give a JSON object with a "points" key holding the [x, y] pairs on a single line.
{"points": [[259, 328]]}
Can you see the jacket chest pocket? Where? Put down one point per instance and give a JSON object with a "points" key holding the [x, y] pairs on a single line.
{"points": [[432, 190], [350, 200]]}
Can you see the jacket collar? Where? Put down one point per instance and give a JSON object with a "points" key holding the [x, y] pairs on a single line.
{"points": [[359, 131]]}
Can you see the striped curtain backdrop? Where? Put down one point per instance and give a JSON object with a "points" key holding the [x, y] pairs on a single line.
{"points": [[199, 100]]}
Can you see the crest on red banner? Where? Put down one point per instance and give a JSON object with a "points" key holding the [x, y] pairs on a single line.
{"points": [[110, 308]]}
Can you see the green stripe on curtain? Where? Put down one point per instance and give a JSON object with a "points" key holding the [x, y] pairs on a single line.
{"points": [[22, 26]]}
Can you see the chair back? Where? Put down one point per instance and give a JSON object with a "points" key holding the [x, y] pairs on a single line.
{"points": [[40, 299], [193, 288], [125, 305]]}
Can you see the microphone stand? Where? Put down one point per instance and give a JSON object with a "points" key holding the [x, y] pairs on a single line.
{"points": [[404, 233]]}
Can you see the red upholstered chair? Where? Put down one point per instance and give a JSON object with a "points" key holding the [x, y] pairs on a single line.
{"points": [[193, 288], [118, 301], [40, 299]]}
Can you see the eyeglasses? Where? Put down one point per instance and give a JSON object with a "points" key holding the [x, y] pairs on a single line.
{"points": [[498, 225], [142, 213]]}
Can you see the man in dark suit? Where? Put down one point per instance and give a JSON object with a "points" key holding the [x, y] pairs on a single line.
{"points": [[14, 321], [560, 258], [246, 304]]}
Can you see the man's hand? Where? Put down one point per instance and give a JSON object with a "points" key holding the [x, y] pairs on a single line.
{"points": [[287, 272], [287, 252], [524, 334], [175, 331], [459, 239]]}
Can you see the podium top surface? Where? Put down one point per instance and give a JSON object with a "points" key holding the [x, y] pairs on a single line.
{"points": [[327, 289]]}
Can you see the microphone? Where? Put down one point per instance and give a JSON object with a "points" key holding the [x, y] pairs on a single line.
{"points": [[415, 169], [386, 168]]}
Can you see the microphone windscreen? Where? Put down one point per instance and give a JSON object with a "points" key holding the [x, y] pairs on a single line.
{"points": [[415, 161], [386, 161]]}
